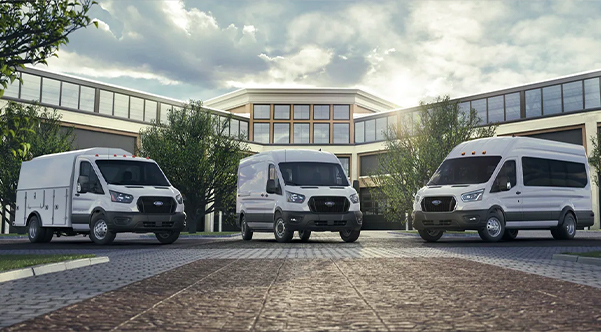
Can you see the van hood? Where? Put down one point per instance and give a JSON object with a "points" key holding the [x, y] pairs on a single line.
{"points": [[449, 190], [145, 190]]}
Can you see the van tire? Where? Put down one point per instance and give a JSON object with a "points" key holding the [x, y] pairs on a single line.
{"points": [[430, 235], [282, 234], [510, 234], [102, 235], [167, 237], [567, 230], [494, 229], [304, 235], [247, 234], [48, 237], [35, 232], [349, 235]]}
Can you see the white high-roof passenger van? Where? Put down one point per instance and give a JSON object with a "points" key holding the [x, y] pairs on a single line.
{"points": [[501, 185], [284, 191]]}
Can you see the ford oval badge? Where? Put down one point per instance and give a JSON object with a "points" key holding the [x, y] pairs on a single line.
{"points": [[158, 203], [436, 202], [330, 204]]}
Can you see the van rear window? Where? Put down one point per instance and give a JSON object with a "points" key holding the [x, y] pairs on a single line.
{"points": [[465, 170], [313, 174], [131, 173]]}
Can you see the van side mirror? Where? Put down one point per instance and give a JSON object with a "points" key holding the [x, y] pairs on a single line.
{"points": [[271, 188], [83, 184], [356, 185], [508, 185]]}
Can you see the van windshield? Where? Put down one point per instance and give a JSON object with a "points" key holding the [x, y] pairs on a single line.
{"points": [[466, 170], [313, 174], [134, 173]]}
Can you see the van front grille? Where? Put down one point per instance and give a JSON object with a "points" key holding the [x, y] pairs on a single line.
{"points": [[333, 223], [156, 205], [329, 204], [438, 204]]}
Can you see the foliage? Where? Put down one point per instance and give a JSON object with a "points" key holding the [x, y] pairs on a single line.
{"points": [[44, 135], [415, 150], [13, 262], [595, 159], [198, 157], [33, 31]]}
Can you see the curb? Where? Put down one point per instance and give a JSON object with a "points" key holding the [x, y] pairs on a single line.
{"points": [[467, 234], [578, 259], [50, 268], [196, 236]]}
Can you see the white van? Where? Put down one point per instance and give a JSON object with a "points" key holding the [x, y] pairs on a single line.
{"points": [[500, 185], [100, 192], [284, 191]]}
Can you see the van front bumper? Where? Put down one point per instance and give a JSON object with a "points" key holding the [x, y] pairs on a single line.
{"points": [[323, 222], [144, 223], [454, 220]]}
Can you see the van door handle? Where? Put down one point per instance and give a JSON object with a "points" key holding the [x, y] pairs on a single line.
{"points": [[518, 192], [262, 195], [77, 194]]}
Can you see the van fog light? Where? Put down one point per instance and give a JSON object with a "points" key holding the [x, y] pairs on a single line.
{"points": [[293, 220]]}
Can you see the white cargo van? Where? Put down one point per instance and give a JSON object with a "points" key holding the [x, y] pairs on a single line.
{"points": [[284, 191], [100, 192], [500, 185]]}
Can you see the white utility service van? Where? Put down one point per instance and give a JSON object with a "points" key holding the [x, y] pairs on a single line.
{"points": [[500, 185], [97, 191], [284, 191]]}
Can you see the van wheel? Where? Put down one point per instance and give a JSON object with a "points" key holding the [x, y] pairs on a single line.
{"points": [[35, 231], [567, 230], [304, 235], [167, 237], [282, 234], [494, 229], [430, 235], [349, 235], [247, 234], [99, 232], [48, 237], [510, 234]]}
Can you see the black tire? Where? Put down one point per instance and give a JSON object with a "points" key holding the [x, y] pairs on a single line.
{"points": [[494, 229], [35, 231], [167, 237], [282, 234], [99, 232], [48, 237], [247, 234], [567, 230], [349, 235], [510, 234], [304, 235], [430, 235]]}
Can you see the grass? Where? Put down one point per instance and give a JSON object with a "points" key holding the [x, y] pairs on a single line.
{"points": [[13, 234], [448, 232], [12, 262], [596, 254], [209, 233]]}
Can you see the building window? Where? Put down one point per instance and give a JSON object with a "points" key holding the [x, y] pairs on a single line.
{"points": [[70, 95], [87, 96], [480, 107], [321, 112], [281, 112], [30, 90], [51, 90], [281, 133], [106, 102], [261, 132], [136, 109], [552, 100], [369, 165], [261, 112], [150, 110], [165, 109], [321, 133], [572, 96], [495, 109], [359, 132], [512, 106], [12, 90], [381, 129], [533, 103], [341, 133], [121, 108], [244, 130], [406, 127], [234, 128], [370, 130], [464, 108], [346, 164], [591, 93], [342, 112], [301, 112], [301, 133], [392, 123]]}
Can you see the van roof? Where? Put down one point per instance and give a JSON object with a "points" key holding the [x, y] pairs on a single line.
{"points": [[294, 155], [500, 146]]}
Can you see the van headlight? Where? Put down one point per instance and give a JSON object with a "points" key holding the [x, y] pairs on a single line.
{"points": [[121, 197], [294, 198], [473, 196], [354, 198], [416, 200], [179, 199]]}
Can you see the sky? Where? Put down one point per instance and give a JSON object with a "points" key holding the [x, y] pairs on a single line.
{"points": [[402, 51]]}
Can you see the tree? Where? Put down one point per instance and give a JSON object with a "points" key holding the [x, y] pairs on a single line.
{"points": [[199, 158], [414, 151], [32, 31], [46, 135], [595, 158]]}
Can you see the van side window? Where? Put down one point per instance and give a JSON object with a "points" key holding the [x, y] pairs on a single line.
{"points": [[506, 179], [540, 172], [93, 186], [273, 175]]}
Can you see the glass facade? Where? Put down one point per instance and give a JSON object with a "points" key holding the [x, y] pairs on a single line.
{"points": [[30, 89], [381, 128], [552, 100], [281, 133], [51, 91], [281, 112], [262, 112], [341, 133], [261, 132], [165, 109], [150, 110], [87, 97], [136, 108], [512, 106], [533, 103], [321, 133], [105, 105], [70, 95], [346, 165], [480, 107], [321, 112], [572, 96], [301, 112], [342, 112], [301, 133], [592, 93], [359, 132], [496, 109]]}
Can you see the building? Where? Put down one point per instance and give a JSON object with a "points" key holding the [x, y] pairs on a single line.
{"points": [[347, 122]]}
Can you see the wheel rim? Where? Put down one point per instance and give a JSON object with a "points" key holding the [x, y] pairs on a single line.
{"points": [[100, 229], [346, 232], [493, 226], [570, 227], [280, 228], [433, 232], [243, 228], [164, 235], [32, 229]]}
